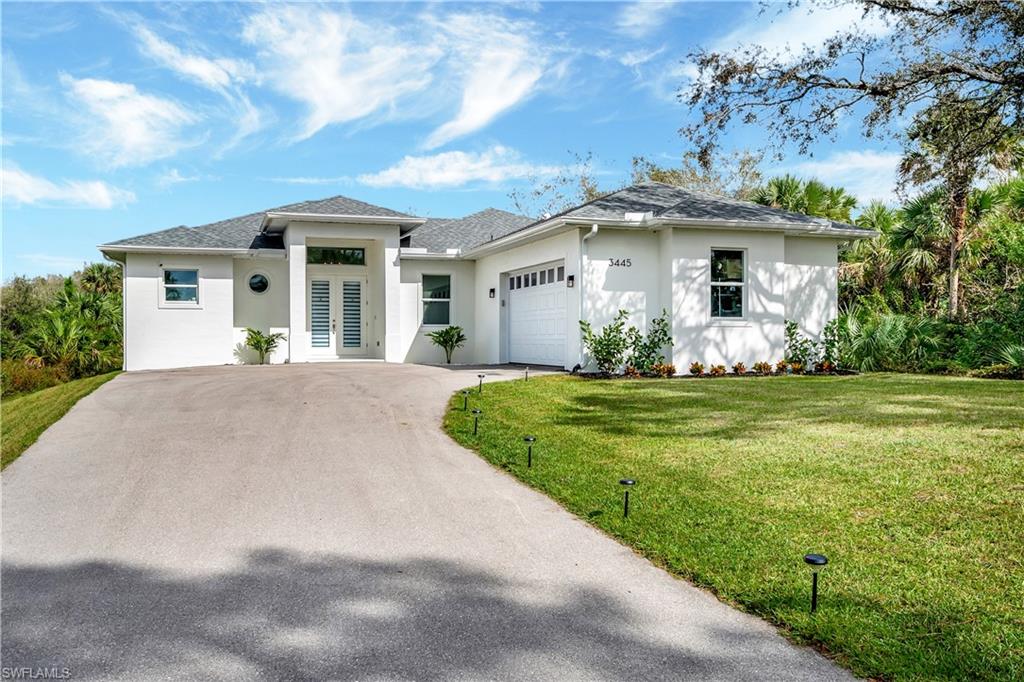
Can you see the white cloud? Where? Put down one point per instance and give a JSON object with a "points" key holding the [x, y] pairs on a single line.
{"points": [[500, 65], [867, 174], [174, 177], [20, 187], [339, 67], [640, 19], [124, 127], [309, 180], [801, 27], [220, 75], [455, 169], [635, 58], [58, 263]]}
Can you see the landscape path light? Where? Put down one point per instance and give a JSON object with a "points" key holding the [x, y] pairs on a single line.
{"points": [[465, 401], [476, 419], [627, 483], [480, 390], [816, 562], [529, 440]]}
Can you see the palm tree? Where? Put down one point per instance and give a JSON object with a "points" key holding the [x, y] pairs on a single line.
{"points": [[101, 278], [811, 197]]}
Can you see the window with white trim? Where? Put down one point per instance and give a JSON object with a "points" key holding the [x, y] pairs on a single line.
{"points": [[437, 299], [181, 287], [728, 280]]}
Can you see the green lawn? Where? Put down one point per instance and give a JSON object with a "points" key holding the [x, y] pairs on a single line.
{"points": [[23, 418], [913, 486]]}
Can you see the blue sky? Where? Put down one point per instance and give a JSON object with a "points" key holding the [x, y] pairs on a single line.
{"points": [[125, 118]]}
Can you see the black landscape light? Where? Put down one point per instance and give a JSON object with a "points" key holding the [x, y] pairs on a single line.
{"points": [[465, 401], [476, 419], [529, 440], [527, 371], [628, 483], [480, 390], [816, 562]]}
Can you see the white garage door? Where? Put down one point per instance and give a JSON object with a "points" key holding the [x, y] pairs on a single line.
{"points": [[536, 315]]}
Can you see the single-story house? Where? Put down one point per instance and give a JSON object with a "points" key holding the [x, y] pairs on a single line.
{"points": [[345, 279]]}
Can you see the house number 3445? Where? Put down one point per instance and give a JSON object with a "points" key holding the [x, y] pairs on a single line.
{"points": [[620, 262]]}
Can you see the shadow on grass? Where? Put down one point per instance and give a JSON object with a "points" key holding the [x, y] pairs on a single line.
{"points": [[751, 408], [283, 615]]}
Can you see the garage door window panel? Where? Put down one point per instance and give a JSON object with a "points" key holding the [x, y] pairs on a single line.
{"points": [[437, 300]]}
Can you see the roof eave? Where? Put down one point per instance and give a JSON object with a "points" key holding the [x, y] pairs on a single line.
{"points": [[804, 229], [270, 216], [200, 250]]}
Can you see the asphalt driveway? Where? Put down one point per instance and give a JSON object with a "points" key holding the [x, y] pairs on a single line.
{"points": [[312, 522]]}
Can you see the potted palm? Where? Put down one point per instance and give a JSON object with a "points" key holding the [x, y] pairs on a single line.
{"points": [[448, 339], [263, 344]]}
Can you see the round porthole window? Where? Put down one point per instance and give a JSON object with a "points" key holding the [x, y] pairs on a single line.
{"points": [[258, 283]]}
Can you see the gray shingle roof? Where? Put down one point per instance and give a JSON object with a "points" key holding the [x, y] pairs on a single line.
{"points": [[676, 203], [440, 234], [243, 232]]}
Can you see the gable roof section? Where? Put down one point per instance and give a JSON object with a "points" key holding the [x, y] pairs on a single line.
{"points": [[244, 232], [440, 234]]}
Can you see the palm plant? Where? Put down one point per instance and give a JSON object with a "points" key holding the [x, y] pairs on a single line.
{"points": [[263, 344], [101, 278], [449, 339], [811, 197]]}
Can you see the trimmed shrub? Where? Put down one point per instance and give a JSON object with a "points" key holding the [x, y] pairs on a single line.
{"points": [[717, 370], [763, 368], [739, 368], [696, 369]]}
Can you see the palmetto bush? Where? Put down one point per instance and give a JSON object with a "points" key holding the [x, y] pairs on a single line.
{"points": [[884, 341], [80, 333]]}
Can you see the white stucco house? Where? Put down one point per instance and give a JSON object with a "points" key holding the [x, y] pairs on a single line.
{"points": [[345, 279]]}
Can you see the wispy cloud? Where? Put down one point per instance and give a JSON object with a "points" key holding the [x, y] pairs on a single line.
{"points": [[222, 75], [173, 177], [500, 66], [457, 168], [867, 174], [340, 68], [642, 18], [788, 31], [124, 127], [309, 180], [59, 263], [20, 187]]}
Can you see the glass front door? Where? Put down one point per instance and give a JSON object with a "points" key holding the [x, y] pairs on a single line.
{"points": [[338, 321]]}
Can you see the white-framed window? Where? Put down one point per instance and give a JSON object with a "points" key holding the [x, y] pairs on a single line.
{"points": [[258, 283], [180, 287], [728, 284], [437, 300]]}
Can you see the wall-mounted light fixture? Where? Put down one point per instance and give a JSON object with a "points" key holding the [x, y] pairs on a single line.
{"points": [[570, 281], [490, 293]]}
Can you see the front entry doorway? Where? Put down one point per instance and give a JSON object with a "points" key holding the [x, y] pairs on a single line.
{"points": [[338, 320]]}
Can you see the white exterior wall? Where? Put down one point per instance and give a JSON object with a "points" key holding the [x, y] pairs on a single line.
{"points": [[267, 312], [416, 347], [163, 337], [698, 337], [382, 270], [490, 346], [812, 283], [608, 288]]}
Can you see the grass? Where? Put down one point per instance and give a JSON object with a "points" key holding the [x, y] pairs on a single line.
{"points": [[911, 485], [25, 417]]}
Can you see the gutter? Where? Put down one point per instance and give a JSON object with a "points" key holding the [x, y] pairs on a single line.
{"points": [[199, 250]]}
